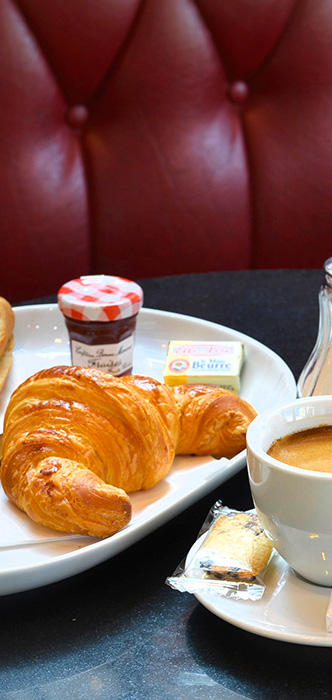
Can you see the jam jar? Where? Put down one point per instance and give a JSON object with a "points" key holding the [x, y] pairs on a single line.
{"points": [[100, 313]]}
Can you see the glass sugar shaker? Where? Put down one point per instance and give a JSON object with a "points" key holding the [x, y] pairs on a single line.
{"points": [[316, 376]]}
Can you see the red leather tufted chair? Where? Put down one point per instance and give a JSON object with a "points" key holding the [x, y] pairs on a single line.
{"points": [[152, 137]]}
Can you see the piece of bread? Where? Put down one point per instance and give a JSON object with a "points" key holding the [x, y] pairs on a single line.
{"points": [[7, 321], [236, 548], [77, 441]]}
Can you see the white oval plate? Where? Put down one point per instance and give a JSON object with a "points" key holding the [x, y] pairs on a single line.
{"points": [[31, 555]]}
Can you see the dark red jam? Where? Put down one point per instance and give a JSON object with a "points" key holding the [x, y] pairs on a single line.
{"points": [[115, 341]]}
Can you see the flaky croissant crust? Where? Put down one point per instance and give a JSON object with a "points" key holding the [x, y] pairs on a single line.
{"points": [[77, 441]]}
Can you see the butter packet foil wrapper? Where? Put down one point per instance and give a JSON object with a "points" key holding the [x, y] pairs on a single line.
{"points": [[201, 362], [229, 557]]}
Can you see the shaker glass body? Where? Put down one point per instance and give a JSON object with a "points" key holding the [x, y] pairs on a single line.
{"points": [[316, 376]]}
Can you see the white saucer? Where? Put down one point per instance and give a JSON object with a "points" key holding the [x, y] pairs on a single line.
{"points": [[291, 609]]}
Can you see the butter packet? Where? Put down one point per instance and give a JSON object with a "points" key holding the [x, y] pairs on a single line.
{"points": [[202, 362], [229, 557]]}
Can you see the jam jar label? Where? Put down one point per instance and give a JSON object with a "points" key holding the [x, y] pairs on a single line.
{"points": [[115, 358]]}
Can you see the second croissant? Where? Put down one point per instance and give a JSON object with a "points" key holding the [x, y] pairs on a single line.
{"points": [[77, 441]]}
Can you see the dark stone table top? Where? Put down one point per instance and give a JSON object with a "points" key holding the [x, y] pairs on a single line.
{"points": [[117, 631]]}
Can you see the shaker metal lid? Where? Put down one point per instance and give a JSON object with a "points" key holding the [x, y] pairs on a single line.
{"points": [[100, 298]]}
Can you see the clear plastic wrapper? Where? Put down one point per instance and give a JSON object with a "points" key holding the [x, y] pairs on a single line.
{"points": [[229, 557]]}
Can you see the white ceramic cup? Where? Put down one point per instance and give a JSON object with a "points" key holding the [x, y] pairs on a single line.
{"points": [[293, 504]]}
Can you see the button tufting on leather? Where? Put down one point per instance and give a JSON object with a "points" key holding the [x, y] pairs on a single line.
{"points": [[77, 116], [238, 91]]}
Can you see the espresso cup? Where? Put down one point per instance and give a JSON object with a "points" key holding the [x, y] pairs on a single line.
{"points": [[293, 504]]}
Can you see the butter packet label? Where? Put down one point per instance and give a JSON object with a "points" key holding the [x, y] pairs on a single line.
{"points": [[200, 362]]}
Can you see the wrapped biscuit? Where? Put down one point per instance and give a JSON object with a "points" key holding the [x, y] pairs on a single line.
{"points": [[229, 558]]}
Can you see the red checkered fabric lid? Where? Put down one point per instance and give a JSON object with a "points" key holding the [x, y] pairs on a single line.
{"points": [[100, 298]]}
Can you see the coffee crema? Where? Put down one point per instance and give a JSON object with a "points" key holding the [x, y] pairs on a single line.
{"points": [[307, 449]]}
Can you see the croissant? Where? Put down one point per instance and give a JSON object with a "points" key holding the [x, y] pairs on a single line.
{"points": [[77, 441]]}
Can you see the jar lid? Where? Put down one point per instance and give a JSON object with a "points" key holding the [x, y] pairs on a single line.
{"points": [[100, 298]]}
